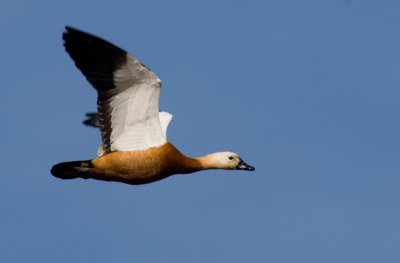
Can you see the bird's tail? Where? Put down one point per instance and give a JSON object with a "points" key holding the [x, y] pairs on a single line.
{"points": [[72, 170]]}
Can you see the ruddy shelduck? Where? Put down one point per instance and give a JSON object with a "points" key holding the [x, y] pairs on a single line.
{"points": [[134, 147]]}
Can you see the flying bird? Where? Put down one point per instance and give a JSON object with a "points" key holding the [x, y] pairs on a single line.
{"points": [[134, 148]]}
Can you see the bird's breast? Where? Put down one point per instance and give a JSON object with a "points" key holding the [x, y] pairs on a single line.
{"points": [[141, 166]]}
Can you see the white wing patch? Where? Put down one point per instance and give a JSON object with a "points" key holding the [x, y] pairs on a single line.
{"points": [[135, 121], [165, 119]]}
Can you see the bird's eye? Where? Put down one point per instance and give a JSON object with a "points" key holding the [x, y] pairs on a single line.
{"points": [[230, 157]]}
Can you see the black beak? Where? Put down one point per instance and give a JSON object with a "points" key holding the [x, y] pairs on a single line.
{"points": [[244, 166]]}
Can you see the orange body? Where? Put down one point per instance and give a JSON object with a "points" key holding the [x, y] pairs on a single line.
{"points": [[143, 166]]}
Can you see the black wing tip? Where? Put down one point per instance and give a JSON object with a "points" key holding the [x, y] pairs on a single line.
{"points": [[74, 30], [72, 33], [95, 57], [69, 30], [83, 42]]}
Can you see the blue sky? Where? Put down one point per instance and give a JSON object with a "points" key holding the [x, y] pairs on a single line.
{"points": [[306, 91]]}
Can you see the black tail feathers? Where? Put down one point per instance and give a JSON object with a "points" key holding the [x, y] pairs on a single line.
{"points": [[72, 170]]}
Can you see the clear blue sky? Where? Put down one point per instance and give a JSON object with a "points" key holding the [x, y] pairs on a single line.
{"points": [[306, 91]]}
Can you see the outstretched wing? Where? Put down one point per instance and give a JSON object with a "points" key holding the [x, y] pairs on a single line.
{"points": [[92, 120], [128, 92]]}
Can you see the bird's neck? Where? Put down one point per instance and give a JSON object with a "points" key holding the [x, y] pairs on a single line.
{"points": [[208, 162], [185, 164]]}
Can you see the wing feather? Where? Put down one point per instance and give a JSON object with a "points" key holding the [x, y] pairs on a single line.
{"points": [[128, 92]]}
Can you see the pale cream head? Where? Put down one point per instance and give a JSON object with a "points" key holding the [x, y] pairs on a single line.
{"points": [[226, 160]]}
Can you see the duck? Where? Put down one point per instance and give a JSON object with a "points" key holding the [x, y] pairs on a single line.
{"points": [[134, 148]]}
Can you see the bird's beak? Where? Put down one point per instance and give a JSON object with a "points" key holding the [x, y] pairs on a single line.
{"points": [[244, 166]]}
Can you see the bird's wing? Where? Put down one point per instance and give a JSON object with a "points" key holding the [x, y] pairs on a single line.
{"points": [[92, 120], [128, 92]]}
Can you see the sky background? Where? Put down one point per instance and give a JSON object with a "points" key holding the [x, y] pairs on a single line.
{"points": [[306, 91]]}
